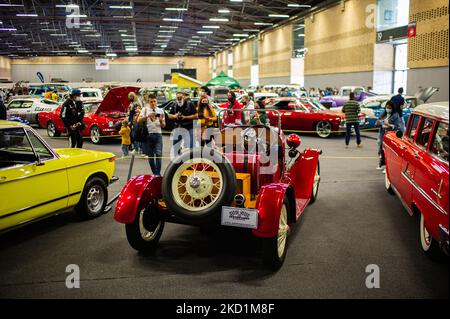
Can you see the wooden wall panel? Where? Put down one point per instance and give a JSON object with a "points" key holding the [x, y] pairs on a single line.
{"points": [[340, 41], [275, 52], [5, 68], [430, 47], [242, 60]]}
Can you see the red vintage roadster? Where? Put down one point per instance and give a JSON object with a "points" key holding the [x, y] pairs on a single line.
{"points": [[100, 119], [254, 178]]}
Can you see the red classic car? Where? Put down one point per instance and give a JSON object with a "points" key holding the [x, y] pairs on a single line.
{"points": [[236, 184], [417, 171], [100, 119], [304, 115]]}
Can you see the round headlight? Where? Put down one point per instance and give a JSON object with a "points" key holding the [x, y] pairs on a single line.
{"points": [[111, 124]]}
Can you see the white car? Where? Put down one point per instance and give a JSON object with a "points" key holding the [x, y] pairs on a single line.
{"points": [[29, 107], [91, 95]]}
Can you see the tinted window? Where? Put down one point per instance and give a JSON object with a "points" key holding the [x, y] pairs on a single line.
{"points": [[39, 147], [15, 149], [414, 122], [440, 143], [425, 133], [14, 105], [282, 105]]}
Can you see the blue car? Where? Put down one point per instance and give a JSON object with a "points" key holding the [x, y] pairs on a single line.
{"points": [[18, 119]]}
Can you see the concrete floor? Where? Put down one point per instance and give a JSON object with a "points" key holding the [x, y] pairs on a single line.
{"points": [[354, 223]]}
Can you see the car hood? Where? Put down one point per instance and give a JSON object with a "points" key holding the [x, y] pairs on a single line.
{"points": [[425, 94], [116, 100], [81, 156]]}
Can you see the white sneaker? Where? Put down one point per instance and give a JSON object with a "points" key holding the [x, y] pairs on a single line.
{"points": [[379, 168], [384, 171]]}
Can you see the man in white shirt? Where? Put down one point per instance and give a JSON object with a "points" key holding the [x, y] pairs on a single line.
{"points": [[154, 143]]}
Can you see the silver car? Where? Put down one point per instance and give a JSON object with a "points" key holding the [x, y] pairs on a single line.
{"points": [[28, 108]]}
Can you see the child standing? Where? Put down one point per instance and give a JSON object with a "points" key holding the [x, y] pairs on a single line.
{"points": [[125, 132]]}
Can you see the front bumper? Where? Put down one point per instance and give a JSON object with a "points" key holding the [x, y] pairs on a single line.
{"points": [[443, 239]]}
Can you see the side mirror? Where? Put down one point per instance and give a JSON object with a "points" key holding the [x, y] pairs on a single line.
{"points": [[293, 141], [399, 134]]}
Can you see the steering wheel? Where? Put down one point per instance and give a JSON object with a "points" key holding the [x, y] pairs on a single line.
{"points": [[254, 139]]}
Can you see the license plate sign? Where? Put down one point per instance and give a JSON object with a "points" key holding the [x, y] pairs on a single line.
{"points": [[239, 217]]}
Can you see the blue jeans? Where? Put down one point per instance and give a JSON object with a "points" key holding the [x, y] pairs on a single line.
{"points": [[153, 148], [179, 138], [125, 149], [349, 133]]}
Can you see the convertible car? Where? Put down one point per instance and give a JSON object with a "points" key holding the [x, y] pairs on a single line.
{"points": [[100, 120], [305, 115], [30, 169], [339, 100], [247, 181], [417, 171]]}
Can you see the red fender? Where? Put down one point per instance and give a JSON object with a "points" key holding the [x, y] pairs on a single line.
{"points": [[301, 174], [137, 193], [269, 203]]}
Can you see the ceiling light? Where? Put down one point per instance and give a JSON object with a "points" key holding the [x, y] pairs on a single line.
{"points": [[20, 34], [77, 16], [279, 15], [205, 32], [173, 19], [93, 35], [263, 23], [10, 5], [8, 29], [128, 35], [74, 45], [67, 6], [83, 51], [123, 17], [37, 42], [58, 34], [163, 36], [167, 31], [224, 11], [120, 7], [219, 20], [176, 9], [103, 46], [210, 27], [131, 49], [169, 26], [26, 15], [241, 35], [111, 54], [295, 5], [235, 0], [251, 30]]}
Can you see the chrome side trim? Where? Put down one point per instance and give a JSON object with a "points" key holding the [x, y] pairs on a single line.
{"points": [[424, 194], [390, 148]]}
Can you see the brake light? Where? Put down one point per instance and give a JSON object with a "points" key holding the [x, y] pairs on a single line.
{"points": [[112, 159]]}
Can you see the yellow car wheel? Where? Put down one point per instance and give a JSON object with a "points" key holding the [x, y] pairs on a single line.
{"points": [[93, 199]]}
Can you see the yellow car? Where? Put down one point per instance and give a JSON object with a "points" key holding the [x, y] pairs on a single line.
{"points": [[37, 181]]}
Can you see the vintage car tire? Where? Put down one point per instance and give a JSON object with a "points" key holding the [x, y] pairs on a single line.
{"points": [[144, 232], [323, 126], [429, 245], [387, 184], [51, 130], [224, 197], [316, 184], [93, 199], [274, 249], [95, 135]]}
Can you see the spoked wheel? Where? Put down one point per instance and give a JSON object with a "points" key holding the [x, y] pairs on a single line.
{"points": [[146, 230], [429, 245], [323, 129], [195, 187], [316, 183], [51, 130], [274, 249], [95, 135]]}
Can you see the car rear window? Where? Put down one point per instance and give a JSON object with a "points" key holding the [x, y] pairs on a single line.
{"points": [[440, 142], [425, 133]]}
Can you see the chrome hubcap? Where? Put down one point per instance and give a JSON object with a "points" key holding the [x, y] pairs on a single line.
{"points": [[51, 129], [323, 129], [146, 234], [95, 135], [95, 199]]}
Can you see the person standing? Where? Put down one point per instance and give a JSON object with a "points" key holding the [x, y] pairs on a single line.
{"points": [[125, 132], [55, 95], [232, 116], [351, 110], [133, 110], [183, 113], [399, 104], [247, 104], [207, 118], [153, 146], [389, 120], [72, 115]]}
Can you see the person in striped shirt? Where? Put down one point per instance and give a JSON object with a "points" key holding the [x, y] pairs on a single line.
{"points": [[351, 110]]}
